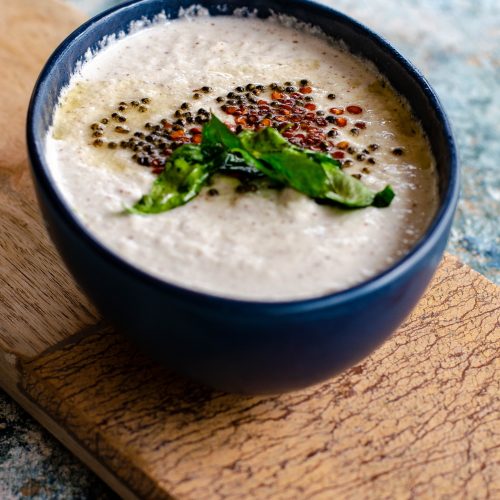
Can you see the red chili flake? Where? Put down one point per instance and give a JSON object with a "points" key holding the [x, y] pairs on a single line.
{"points": [[336, 111], [195, 130], [262, 102], [286, 112], [338, 155], [231, 110], [354, 110], [360, 125], [196, 139], [277, 95], [167, 125], [266, 122], [305, 90], [252, 119], [281, 118], [295, 95], [310, 106], [295, 118], [240, 120], [310, 116], [157, 170], [287, 134], [343, 145], [341, 122], [321, 122], [263, 110], [299, 111], [177, 134]]}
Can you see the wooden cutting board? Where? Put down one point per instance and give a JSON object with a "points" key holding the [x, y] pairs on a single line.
{"points": [[418, 418]]}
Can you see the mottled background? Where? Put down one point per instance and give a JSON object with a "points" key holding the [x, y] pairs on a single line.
{"points": [[456, 44]]}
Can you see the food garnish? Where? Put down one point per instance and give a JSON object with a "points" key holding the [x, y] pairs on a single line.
{"points": [[314, 174], [284, 138]]}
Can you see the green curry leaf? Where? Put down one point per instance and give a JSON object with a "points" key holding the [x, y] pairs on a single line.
{"points": [[184, 176], [314, 174], [216, 133]]}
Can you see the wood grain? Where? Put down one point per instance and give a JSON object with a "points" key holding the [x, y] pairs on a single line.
{"points": [[39, 302], [419, 418]]}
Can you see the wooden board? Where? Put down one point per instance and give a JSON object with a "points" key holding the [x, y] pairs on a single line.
{"points": [[418, 418]]}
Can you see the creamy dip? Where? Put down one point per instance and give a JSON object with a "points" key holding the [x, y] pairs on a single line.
{"points": [[264, 245]]}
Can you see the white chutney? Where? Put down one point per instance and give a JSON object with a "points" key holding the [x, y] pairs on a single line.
{"points": [[268, 245]]}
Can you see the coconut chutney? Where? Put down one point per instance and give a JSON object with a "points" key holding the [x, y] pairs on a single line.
{"points": [[256, 244]]}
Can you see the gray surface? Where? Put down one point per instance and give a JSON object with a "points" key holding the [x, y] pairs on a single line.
{"points": [[456, 44]]}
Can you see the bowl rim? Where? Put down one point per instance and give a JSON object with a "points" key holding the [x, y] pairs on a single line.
{"points": [[431, 237]]}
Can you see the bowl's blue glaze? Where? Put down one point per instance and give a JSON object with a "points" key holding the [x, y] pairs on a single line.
{"points": [[230, 344]]}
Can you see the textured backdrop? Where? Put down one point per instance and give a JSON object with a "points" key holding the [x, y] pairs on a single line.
{"points": [[456, 44]]}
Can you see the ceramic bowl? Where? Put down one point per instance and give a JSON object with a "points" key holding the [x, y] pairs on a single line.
{"points": [[235, 345]]}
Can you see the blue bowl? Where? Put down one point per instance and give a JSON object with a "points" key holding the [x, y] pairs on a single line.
{"points": [[235, 345]]}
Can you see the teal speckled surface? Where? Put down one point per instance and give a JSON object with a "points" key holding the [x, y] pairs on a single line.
{"points": [[456, 44]]}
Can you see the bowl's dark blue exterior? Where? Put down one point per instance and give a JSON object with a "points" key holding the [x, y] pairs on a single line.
{"points": [[236, 345]]}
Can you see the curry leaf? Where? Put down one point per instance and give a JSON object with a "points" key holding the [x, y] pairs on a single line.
{"points": [[184, 176], [314, 174], [216, 133]]}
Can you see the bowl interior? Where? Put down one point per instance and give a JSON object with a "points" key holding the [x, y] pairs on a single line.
{"points": [[360, 40]]}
